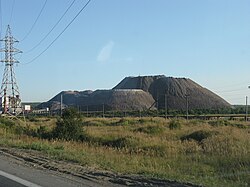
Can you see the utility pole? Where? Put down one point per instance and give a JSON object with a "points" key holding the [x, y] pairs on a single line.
{"points": [[9, 93], [246, 109]]}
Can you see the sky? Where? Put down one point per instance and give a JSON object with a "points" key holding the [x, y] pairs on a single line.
{"points": [[207, 41]]}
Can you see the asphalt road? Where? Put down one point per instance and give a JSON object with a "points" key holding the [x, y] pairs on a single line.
{"points": [[14, 173], [6, 182]]}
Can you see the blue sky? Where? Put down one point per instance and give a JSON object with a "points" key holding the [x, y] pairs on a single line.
{"points": [[207, 41]]}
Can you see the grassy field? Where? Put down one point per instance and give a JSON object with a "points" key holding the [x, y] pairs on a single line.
{"points": [[209, 153]]}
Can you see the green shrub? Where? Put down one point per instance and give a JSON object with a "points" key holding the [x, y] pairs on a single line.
{"points": [[174, 124], [69, 127]]}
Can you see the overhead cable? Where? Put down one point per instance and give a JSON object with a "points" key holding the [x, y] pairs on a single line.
{"points": [[11, 12], [85, 5], [32, 27], [51, 28]]}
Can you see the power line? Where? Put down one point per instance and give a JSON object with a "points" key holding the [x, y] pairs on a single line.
{"points": [[32, 27], [1, 20], [52, 28], [85, 5], [11, 14]]}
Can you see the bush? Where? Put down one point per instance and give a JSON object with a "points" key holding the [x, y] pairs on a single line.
{"points": [[174, 124], [69, 126]]}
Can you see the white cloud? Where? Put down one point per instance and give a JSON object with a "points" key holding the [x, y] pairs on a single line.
{"points": [[105, 53]]}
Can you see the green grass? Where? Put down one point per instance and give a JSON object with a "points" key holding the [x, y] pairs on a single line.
{"points": [[206, 153]]}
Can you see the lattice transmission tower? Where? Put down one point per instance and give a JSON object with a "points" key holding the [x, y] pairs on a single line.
{"points": [[9, 93]]}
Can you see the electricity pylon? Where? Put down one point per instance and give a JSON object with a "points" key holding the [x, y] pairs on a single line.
{"points": [[9, 93]]}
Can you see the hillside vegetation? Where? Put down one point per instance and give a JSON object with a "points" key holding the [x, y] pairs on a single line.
{"points": [[209, 153]]}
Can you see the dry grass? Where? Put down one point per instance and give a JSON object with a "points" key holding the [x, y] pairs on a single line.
{"points": [[198, 152]]}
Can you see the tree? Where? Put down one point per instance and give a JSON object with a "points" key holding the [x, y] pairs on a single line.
{"points": [[69, 127]]}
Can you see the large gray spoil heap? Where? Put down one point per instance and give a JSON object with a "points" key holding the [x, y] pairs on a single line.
{"points": [[172, 92], [140, 93], [117, 99]]}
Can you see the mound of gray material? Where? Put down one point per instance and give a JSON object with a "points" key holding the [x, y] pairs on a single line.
{"points": [[69, 98], [172, 92], [140, 82], [143, 92], [116, 99]]}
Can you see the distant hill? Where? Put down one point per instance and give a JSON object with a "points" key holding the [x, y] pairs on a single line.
{"points": [[142, 92]]}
